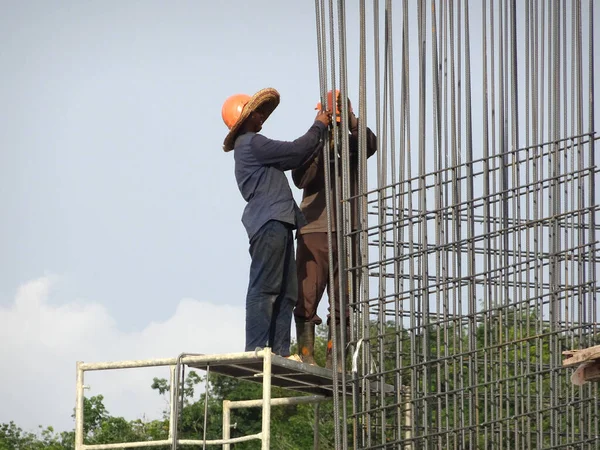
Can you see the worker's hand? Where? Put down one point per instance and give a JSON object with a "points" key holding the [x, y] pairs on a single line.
{"points": [[352, 120], [324, 117]]}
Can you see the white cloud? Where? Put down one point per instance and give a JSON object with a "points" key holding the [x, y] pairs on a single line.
{"points": [[41, 343]]}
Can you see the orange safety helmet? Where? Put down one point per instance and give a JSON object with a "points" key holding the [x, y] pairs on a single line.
{"points": [[238, 108], [338, 113], [233, 107]]}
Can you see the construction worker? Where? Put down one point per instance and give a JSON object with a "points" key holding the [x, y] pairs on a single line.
{"points": [[270, 214], [312, 257]]}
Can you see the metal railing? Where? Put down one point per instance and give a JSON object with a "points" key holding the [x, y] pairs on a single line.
{"points": [[175, 365]]}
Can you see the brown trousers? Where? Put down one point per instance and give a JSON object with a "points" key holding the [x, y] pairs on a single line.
{"points": [[312, 265]]}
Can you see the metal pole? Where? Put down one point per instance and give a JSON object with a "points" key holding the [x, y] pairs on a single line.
{"points": [[206, 399], [79, 408], [282, 401], [226, 423], [173, 399], [316, 428], [266, 407]]}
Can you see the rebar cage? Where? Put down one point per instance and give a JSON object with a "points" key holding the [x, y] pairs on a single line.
{"points": [[473, 261]]}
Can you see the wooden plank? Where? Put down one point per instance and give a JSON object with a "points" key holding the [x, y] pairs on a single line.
{"points": [[575, 357], [592, 372], [587, 371]]}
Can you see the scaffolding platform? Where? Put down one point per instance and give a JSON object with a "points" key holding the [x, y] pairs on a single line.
{"points": [[285, 373]]}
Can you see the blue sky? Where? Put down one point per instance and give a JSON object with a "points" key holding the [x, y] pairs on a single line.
{"points": [[121, 235], [114, 174]]}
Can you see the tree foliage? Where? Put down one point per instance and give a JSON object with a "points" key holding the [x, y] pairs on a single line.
{"points": [[13, 437]]}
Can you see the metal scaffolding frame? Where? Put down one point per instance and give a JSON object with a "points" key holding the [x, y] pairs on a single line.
{"points": [[260, 366], [475, 250]]}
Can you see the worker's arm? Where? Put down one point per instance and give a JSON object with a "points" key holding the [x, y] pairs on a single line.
{"points": [[310, 170], [288, 155]]}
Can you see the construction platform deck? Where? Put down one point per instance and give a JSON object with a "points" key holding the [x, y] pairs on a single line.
{"points": [[285, 373]]}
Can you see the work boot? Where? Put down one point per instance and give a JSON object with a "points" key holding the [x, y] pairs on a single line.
{"points": [[305, 332], [341, 363]]}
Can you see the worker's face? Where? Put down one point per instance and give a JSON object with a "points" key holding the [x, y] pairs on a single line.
{"points": [[255, 121]]}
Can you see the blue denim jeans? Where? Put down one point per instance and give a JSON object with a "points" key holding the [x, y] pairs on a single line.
{"points": [[272, 289]]}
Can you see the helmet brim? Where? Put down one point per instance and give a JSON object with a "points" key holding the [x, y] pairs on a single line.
{"points": [[267, 99]]}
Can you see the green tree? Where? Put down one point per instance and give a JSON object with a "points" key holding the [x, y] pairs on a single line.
{"points": [[13, 437]]}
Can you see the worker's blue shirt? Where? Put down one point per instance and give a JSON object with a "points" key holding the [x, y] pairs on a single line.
{"points": [[259, 166]]}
